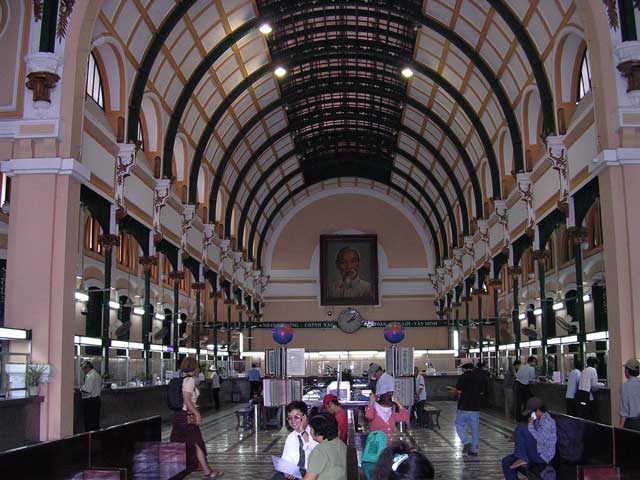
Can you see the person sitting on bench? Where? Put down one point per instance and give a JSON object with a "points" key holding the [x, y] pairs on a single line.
{"points": [[535, 443]]}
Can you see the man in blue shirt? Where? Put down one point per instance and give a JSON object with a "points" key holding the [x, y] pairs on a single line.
{"points": [[535, 443], [572, 386], [254, 380]]}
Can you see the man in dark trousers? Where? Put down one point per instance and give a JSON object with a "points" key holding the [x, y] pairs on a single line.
{"points": [[469, 389], [255, 381], [90, 392], [525, 378]]}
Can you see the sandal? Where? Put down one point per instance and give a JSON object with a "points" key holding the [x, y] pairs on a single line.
{"points": [[517, 464], [214, 475]]}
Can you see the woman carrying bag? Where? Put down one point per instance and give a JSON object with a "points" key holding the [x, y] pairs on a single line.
{"points": [[186, 422]]}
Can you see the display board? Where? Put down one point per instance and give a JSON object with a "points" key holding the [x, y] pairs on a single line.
{"points": [[399, 361], [279, 391], [295, 362]]}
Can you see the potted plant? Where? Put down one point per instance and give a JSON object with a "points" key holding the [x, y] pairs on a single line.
{"points": [[34, 377]]}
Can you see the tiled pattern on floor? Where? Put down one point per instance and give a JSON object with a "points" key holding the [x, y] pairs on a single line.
{"points": [[248, 454]]}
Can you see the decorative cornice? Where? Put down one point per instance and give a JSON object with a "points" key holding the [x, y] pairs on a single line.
{"points": [[614, 157], [46, 166]]}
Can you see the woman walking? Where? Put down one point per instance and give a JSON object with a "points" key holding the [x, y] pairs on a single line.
{"points": [[186, 422]]}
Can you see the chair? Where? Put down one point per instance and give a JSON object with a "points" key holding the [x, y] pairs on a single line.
{"points": [[244, 418], [433, 416]]}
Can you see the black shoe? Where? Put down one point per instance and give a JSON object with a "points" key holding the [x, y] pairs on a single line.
{"points": [[472, 454], [466, 448]]}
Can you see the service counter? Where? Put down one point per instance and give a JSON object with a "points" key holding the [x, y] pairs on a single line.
{"points": [[19, 422], [437, 386], [119, 405], [553, 395]]}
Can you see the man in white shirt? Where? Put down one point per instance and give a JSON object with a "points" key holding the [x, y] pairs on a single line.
{"points": [[588, 383], [90, 392], [421, 397], [215, 387], [384, 382], [524, 378], [299, 443], [572, 387]]}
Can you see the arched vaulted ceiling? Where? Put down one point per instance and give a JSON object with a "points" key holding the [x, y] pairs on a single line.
{"points": [[343, 109]]}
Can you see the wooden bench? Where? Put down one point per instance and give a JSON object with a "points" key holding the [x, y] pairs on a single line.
{"points": [[244, 419], [584, 447], [102, 474], [433, 416], [159, 460]]}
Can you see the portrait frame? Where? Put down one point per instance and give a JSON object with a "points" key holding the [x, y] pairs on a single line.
{"points": [[367, 248]]}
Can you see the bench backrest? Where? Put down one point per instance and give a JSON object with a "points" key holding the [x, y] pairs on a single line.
{"points": [[67, 457], [581, 442]]}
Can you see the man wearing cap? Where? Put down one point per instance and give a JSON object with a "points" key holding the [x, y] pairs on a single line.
{"points": [[630, 396], [469, 389], [215, 387], [90, 392], [331, 404], [535, 443], [384, 381]]}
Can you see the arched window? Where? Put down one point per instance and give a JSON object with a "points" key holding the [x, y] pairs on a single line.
{"points": [[593, 225], [565, 246], [584, 81], [92, 232], [140, 136], [94, 82], [127, 251]]}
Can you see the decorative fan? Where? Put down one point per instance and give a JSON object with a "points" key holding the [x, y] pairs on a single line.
{"points": [[123, 329], [529, 332], [506, 336], [159, 334], [570, 329], [466, 344]]}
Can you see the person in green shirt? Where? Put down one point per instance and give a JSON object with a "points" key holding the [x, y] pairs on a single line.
{"points": [[328, 461]]}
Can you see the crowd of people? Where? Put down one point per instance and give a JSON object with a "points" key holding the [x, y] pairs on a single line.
{"points": [[316, 447]]}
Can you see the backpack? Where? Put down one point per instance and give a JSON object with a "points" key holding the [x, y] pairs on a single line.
{"points": [[373, 447], [174, 393]]}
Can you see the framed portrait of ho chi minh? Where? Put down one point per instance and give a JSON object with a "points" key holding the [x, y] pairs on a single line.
{"points": [[348, 269]]}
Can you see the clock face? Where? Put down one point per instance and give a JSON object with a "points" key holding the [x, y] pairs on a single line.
{"points": [[349, 320]]}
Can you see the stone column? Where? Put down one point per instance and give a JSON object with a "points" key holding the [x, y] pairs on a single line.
{"points": [[41, 269], [540, 256], [198, 287], [147, 263], [176, 276], [514, 273], [107, 241], [619, 176]]}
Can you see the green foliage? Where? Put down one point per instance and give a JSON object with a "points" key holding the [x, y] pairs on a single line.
{"points": [[34, 374]]}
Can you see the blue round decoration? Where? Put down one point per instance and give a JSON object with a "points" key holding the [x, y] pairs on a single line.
{"points": [[282, 334], [394, 333]]}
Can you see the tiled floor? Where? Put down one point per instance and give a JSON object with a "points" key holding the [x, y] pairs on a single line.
{"points": [[247, 455]]}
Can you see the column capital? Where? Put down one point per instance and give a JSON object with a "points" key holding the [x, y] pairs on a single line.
{"points": [[148, 261], [176, 276], [614, 157], [108, 241], [46, 166], [540, 255]]}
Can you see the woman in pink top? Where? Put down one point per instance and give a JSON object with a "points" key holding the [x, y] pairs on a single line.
{"points": [[383, 414]]}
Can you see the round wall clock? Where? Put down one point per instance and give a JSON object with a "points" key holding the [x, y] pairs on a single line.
{"points": [[349, 320]]}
